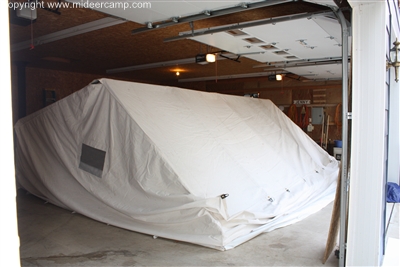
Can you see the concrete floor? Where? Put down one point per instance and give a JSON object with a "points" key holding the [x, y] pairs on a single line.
{"points": [[52, 236]]}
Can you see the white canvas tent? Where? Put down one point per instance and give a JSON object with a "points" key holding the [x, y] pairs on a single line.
{"points": [[210, 169]]}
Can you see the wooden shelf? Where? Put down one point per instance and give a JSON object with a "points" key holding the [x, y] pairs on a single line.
{"points": [[312, 105]]}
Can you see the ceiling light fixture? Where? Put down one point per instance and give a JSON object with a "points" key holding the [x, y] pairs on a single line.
{"points": [[278, 77], [201, 59], [210, 58], [394, 59], [177, 73]]}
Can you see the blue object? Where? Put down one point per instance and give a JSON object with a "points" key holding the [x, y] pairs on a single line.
{"points": [[338, 143], [393, 193]]}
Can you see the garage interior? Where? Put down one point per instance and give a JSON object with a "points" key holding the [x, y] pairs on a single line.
{"points": [[57, 51]]}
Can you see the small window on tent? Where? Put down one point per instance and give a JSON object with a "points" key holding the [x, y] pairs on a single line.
{"points": [[92, 160]]}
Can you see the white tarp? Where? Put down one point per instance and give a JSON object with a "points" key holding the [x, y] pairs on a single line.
{"points": [[157, 159]]}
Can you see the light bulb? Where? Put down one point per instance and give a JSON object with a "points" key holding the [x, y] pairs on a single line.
{"points": [[210, 58]]}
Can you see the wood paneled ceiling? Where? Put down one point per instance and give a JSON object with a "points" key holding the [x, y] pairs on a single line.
{"points": [[115, 47]]}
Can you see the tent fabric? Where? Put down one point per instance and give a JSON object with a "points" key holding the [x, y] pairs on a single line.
{"points": [[393, 193], [211, 169]]}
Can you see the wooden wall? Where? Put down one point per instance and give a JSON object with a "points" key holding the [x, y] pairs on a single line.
{"points": [[63, 83], [327, 95]]}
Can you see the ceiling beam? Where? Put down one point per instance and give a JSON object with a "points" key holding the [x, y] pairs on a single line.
{"points": [[252, 75], [325, 60], [301, 62], [80, 29], [152, 65], [161, 64], [210, 13], [230, 76]]}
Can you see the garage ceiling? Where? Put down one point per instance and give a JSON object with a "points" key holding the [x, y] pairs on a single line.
{"points": [[151, 44]]}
